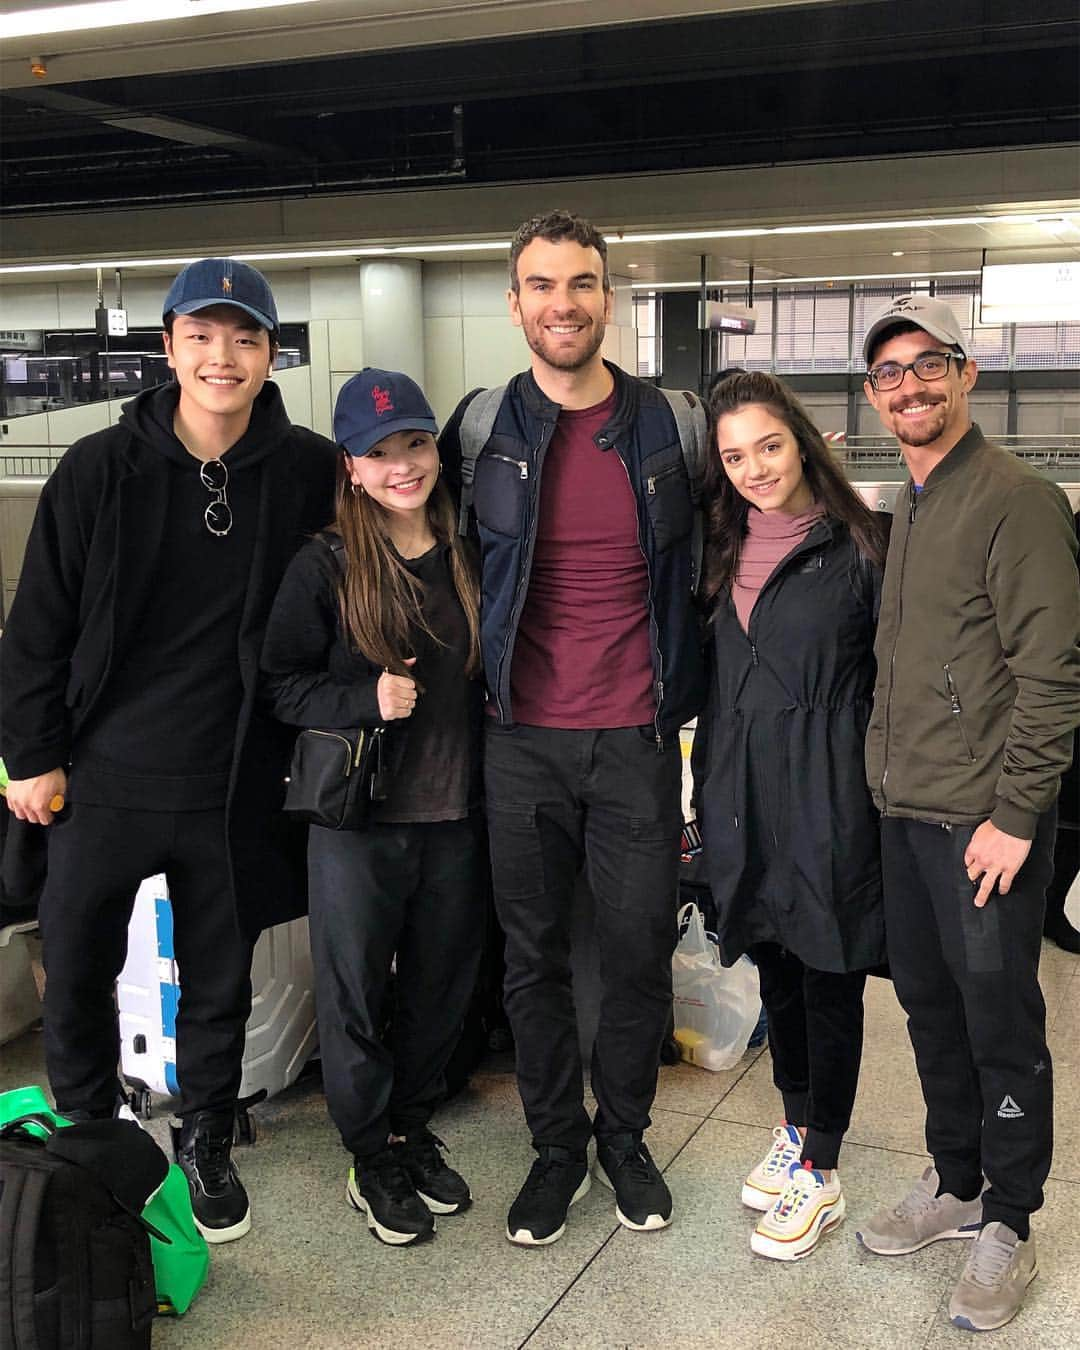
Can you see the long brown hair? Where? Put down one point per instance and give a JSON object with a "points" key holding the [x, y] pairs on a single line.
{"points": [[727, 509], [381, 601]]}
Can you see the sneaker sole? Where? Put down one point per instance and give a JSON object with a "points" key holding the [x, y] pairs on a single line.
{"points": [[653, 1222], [948, 1236], [444, 1206], [965, 1323], [390, 1236], [523, 1238], [796, 1248], [759, 1200], [230, 1234]]}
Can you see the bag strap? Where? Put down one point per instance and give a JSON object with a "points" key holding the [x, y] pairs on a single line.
{"points": [[22, 1199], [474, 432], [693, 428]]}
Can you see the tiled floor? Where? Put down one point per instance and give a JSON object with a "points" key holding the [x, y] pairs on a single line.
{"points": [[309, 1275]]}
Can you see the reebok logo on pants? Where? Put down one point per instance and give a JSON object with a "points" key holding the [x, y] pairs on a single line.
{"points": [[1008, 1110]]}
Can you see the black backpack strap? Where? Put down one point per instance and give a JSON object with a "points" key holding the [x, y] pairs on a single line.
{"points": [[693, 427], [22, 1199], [474, 433]]}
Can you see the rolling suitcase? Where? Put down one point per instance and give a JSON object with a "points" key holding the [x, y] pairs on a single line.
{"points": [[281, 1031]]}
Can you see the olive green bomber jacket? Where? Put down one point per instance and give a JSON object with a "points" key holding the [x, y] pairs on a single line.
{"points": [[978, 645]]}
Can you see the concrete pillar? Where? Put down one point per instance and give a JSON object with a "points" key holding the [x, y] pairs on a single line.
{"points": [[392, 314]]}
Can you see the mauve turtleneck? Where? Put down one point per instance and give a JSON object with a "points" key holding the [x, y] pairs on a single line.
{"points": [[770, 536]]}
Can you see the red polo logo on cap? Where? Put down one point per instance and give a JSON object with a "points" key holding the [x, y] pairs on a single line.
{"points": [[226, 286], [382, 400]]}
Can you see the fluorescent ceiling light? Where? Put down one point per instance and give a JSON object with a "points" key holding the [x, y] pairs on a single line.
{"points": [[1030, 293], [768, 283], [116, 13]]}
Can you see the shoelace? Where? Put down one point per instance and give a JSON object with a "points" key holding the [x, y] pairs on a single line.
{"points": [[917, 1201], [540, 1173], [782, 1154], [635, 1160], [212, 1161], [391, 1175], [989, 1261], [800, 1187], [426, 1149]]}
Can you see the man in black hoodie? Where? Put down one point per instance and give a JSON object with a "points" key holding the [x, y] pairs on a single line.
{"points": [[129, 724]]}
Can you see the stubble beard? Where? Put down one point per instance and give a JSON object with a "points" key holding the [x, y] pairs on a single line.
{"points": [[567, 360]]}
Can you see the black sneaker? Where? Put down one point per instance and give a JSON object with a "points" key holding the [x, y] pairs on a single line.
{"points": [[202, 1144], [442, 1189], [557, 1179], [380, 1187], [642, 1199]]}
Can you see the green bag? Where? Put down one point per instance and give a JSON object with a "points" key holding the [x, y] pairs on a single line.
{"points": [[180, 1265]]}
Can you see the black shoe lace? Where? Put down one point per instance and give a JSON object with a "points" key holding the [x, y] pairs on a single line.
{"points": [[390, 1175], [212, 1156], [636, 1161], [541, 1174], [426, 1150]]}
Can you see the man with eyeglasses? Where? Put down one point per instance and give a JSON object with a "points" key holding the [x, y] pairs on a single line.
{"points": [[978, 691], [129, 724]]}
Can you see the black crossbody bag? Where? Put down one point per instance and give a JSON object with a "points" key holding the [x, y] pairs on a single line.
{"points": [[336, 776]]}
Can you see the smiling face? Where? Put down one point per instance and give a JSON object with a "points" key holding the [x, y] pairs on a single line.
{"points": [[399, 472], [923, 415], [762, 460], [560, 304], [221, 357]]}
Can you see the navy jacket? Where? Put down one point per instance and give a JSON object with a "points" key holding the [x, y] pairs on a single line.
{"points": [[506, 498]]}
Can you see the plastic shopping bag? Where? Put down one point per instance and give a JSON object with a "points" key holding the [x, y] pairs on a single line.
{"points": [[182, 1260], [716, 1007], [1072, 903]]}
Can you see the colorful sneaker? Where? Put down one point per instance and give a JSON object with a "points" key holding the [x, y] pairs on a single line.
{"points": [[993, 1283], [557, 1179], [920, 1218], [442, 1189], [380, 1187], [642, 1198], [762, 1187], [808, 1206], [202, 1145]]}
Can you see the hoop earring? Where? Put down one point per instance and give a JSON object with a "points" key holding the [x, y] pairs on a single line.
{"points": [[357, 488]]}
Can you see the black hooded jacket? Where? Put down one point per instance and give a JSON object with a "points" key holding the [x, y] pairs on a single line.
{"points": [[790, 832], [87, 591]]}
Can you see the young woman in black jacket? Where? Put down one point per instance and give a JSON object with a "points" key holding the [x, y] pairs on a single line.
{"points": [[793, 567], [377, 624]]}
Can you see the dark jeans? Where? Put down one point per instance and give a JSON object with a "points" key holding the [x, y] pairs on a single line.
{"points": [[417, 891], [815, 1037], [97, 857], [557, 798], [968, 980]]}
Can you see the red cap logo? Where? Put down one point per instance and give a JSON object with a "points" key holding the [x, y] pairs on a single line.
{"points": [[382, 400]]}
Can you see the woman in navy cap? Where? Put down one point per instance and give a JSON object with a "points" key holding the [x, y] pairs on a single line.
{"points": [[377, 623]]}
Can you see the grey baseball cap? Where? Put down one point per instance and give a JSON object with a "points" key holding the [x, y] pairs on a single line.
{"points": [[935, 316]]}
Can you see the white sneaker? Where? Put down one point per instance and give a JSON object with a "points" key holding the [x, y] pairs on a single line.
{"points": [[808, 1206], [762, 1187]]}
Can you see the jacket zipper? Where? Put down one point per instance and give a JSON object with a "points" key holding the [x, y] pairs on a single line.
{"points": [[955, 709], [654, 627], [912, 504], [522, 465], [526, 566], [653, 479]]}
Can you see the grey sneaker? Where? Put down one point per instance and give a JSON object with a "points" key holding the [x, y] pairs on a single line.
{"points": [[997, 1273], [920, 1218]]}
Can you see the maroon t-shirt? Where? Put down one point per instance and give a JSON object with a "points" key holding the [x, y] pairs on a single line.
{"points": [[582, 657]]}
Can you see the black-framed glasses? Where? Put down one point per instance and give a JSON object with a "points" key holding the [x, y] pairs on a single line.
{"points": [[218, 514], [928, 366]]}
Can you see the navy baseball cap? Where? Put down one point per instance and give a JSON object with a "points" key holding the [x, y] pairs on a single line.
{"points": [[375, 404], [222, 281]]}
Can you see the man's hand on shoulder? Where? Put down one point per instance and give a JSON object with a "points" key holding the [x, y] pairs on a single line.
{"points": [[37, 799], [996, 857]]}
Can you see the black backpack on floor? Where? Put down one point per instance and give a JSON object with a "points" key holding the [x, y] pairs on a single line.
{"points": [[75, 1265]]}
